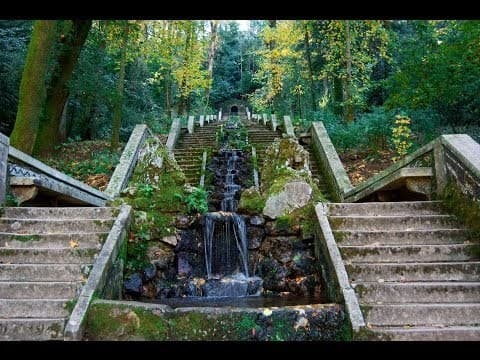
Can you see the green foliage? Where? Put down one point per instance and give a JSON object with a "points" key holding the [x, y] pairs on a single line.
{"points": [[401, 136], [251, 202], [196, 201]]}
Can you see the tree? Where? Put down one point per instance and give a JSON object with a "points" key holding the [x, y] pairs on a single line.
{"points": [[211, 57], [71, 39], [117, 111], [32, 86]]}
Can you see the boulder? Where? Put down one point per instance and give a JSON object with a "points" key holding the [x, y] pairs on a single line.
{"points": [[294, 195]]}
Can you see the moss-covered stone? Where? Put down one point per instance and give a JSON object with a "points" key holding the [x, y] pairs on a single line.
{"points": [[124, 321], [251, 202]]}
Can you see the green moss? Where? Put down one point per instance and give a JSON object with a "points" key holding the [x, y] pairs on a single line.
{"points": [[466, 210], [251, 202], [70, 305], [25, 238]]}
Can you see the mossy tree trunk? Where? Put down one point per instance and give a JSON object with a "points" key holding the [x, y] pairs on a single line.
{"points": [[184, 94], [117, 112], [211, 58], [349, 106], [32, 92], [337, 95], [71, 39], [308, 53]]}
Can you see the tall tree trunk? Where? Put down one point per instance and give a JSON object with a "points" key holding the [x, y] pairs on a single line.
{"points": [[31, 96], [211, 58], [62, 127], [349, 109], [337, 95], [271, 45], [72, 40], [117, 113], [182, 105], [308, 54]]}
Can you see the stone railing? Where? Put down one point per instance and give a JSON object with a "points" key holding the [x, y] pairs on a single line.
{"points": [[394, 172], [457, 159], [333, 171], [20, 170], [4, 145], [106, 277], [128, 160], [338, 287]]}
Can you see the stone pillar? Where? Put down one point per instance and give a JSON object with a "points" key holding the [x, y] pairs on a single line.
{"points": [[288, 126], [274, 122], [202, 119], [265, 119], [4, 144], [190, 124], [440, 170]]}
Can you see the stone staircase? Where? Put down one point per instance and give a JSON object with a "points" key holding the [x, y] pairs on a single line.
{"points": [[45, 258], [415, 270], [190, 147], [260, 137]]}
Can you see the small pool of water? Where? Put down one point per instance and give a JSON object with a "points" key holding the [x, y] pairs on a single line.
{"points": [[242, 302]]}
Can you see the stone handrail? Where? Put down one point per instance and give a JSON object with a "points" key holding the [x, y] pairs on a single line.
{"points": [[341, 290], [4, 145], [99, 277], [62, 183], [333, 170], [376, 181], [457, 158], [128, 160]]}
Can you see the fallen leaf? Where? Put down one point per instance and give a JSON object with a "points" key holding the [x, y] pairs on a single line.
{"points": [[73, 244]]}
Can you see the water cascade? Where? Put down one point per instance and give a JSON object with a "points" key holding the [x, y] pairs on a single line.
{"points": [[225, 239]]}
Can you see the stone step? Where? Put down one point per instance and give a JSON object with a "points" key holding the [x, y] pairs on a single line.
{"points": [[59, 212], [385, 208], [39, 290], [425, 292], [49, 226], [33, 308], [66, 255], [434, 271], [387, 237], [84, 240], [32, 329], [419, 333], [419, 314], [405, 223], [409, 253], [44, 272]]}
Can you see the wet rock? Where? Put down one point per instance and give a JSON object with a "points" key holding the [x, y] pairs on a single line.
{"points": [[171, 240], [294, 195], [273, 275], [232, 286], [149, 272], [183, 264], [255, 236], [161, 255], [134, 285], [278, 247], [255, 286], [257, 220], [183, 222], [276, 228], [190, 241]]}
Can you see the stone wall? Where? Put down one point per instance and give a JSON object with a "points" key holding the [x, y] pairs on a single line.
{"points": [[117, 320]]}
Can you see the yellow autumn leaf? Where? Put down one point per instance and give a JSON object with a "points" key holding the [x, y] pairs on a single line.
{"points": [[73, 244]]}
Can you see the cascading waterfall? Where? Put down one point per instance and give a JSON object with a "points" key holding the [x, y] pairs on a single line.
{"points": [[225, 240]]}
